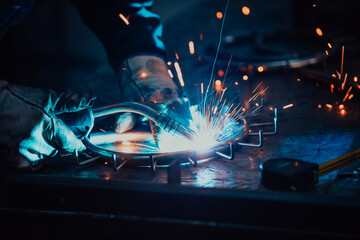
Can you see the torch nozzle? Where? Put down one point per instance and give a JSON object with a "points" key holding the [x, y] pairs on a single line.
{"points": [[173, 127]]}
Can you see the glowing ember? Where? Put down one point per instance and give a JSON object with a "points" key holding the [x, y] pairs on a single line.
{"points": [[329, 106], [219, 15], [319, 32], [260, 69], [343, 112], [355, 79], [245, 77], [319, 106], [245, 10], [220, 73]]}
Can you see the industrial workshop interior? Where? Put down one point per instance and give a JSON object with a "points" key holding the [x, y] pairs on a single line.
{"points": [[193, 119]]}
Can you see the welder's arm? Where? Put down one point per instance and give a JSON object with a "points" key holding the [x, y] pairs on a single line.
{"points": [[136, 52], [141, 36], [29, 128]]}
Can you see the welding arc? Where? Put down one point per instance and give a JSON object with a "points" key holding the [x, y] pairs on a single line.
{"points": [[339, 162]]}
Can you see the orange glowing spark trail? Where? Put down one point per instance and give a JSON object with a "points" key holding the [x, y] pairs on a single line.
{"points": [[124, 19], [191, 47], [179, 74], [328, 105], [347, 94], [288, 106], [344, 82], [342, 60], [257, 87]]}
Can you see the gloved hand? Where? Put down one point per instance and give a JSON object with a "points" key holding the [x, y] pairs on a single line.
{"points": [[29, 128], [145, 79]]}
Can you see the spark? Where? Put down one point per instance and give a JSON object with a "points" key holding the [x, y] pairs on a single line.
{"points": [[245, 10], [342, 59], [351, 96], [126, 21], [191, 47], [326, 52], [288, 106], [219, 15], [245, 77], [341, 106], [347, 94], [332, 87], [257, 87], [329, 106], [344, 82], [177, 56], [343, 112], [319, 106], [179, 74], [319, 32], [220, 73], [355, 79], [170, 73], [260, 69], [329, 45]]}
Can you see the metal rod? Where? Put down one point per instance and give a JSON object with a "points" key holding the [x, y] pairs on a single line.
{"points": [[274, 123], [252, 144], [231, 153], [152, 163], [115, 166], [193, 162]]}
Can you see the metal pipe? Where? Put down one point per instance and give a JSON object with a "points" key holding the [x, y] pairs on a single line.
{"points": [[163, 121]]}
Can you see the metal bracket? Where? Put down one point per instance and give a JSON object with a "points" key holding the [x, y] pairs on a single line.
{"points": [[115, 166], [91, 159], [192, 161], [231, 153], [260, 134], [152, 163], [274, 123]]}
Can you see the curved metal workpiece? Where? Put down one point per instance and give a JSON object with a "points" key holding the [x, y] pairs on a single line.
{"points": [[163, 121]]}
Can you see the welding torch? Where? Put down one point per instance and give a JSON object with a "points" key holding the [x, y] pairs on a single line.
{"points": [[81, 122]]}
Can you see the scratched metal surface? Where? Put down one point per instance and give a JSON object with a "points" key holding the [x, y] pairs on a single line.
{"points": [[305, 131]]}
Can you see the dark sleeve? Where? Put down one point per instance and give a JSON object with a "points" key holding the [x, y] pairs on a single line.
{"points": [[142, 34]]}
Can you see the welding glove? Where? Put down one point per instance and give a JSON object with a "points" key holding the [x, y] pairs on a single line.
{"points": [[145, 79], [29, 128]]}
